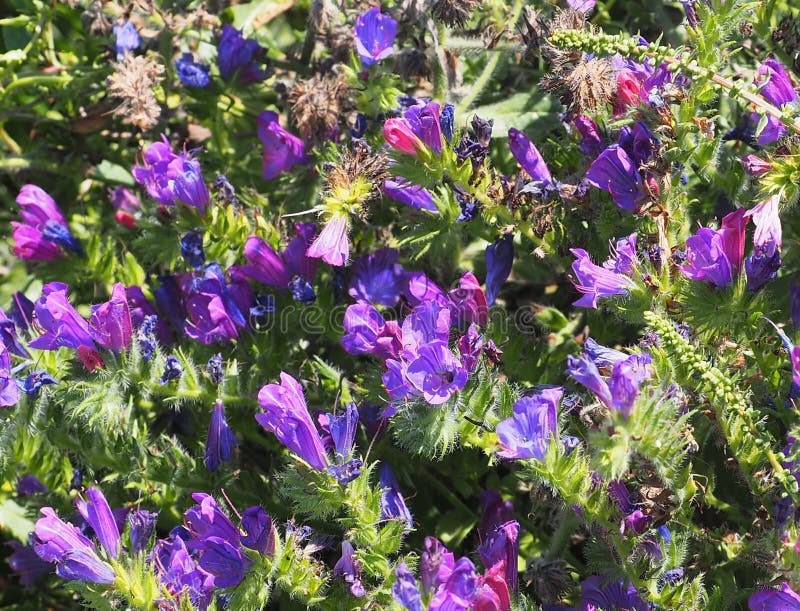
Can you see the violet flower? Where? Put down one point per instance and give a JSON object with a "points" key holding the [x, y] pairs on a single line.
{"points": [[374, 36], [348, 568], [393, 505], [192, 249], [110, 322], [470, 347], [405, 590], [9, 337], [367, 332], [30, 484], [238, 55], [784, 599], [414, 196], [436, 564], [591, 139], [126, 38], [221, 442], [286, 416], [264, 264], [9, 391], [763, 264], [528, 433], [528, 156], [755, 166], [192, 73], [596, 282], [419, 128], [378, 278], [436, 373], [499, 259], [620, 391], [142, 526], [44, 230], [62, 325], [332, 245], [467, 302], [179, 572], [615, 172], [28, 566], [171, 178], [776, 87], [282, 150], [460, 589], [597, 593], [582, 6], [502, 547], [259, 531], [422, 290], [214, 309], [716, 256]]}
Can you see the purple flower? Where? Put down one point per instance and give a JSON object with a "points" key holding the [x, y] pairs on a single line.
{"points": [[638, 142], [374, 35], [191, 73], [378, 278], [527, 434], [142, 526], [124, 200], [172, 370], [715, 256], [528, 156], [421, 290], [9, 391], [614, 171], [259, 531], [44, 230], [399, 189], [126, 38], [332, 244], [8, 336], [349, 568], [602, 356], [496, 512], [470, 347], [205, 520], [98, 514], [597, 593], [225, 561], [27, 564], [235, 54], [75, 556], [467, 302], [436, 564], [171, 178], [755, 166], [393, 505], [179, 573], [110, 322], [264, 264], [192, 249], [30, 484], [367, 332], [502, 546], [460, 589], [596, 282], [405, 590], [282, 150], [499, 259], [762, 266], [591, 139], [286, 416], [140, 309], [436, 373], [635, 522], [21, 312], [419, 127], [221, 442], [62, 325], [622, 388], [784, 599], [343, 430], [583, 6], [214, 312], [776, 87]]}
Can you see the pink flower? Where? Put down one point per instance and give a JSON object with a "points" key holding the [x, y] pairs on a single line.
{"points": [[332, 244]]}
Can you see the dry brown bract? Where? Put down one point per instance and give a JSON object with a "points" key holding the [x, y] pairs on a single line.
{"points": [[358, 163], [454, 12], [319, 104], [132, 83], [583, 84]]}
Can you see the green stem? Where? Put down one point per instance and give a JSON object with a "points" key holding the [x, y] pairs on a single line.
{"points": [[38, 79], [488, 70], [569, 520]]}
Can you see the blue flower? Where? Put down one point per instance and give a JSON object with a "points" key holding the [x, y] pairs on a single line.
{"points": [[191, 73], [172, 369], [35, 380], [499, 259], [126, 38], [527, 434], [237, 54], [374, 35], [221, 442]]}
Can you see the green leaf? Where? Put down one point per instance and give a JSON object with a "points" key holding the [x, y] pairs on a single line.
{"points": [[14, 520], [525, 111]]}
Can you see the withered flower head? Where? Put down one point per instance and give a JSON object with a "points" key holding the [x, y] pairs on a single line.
{"points": [[454, 13], [584, 84], [548, 579], [132, 82], [319, 105], [323, 14], [360, 171]]}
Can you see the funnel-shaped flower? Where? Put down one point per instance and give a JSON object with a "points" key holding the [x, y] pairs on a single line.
{"points": [[282, 150], [762, 266], [44, 230], [62, 325], [614, 171], [239, 54], [374, 35], [332, 244], [596, 282], [286, 416], [527, 434], [528, 156], [110, 322], [221, 442]]}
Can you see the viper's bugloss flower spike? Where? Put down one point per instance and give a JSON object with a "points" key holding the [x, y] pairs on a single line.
{"points": [[375, 32], [763, 264], [784, 599], [179, 572], [126, 38], [62, 325], [528, 433], [235, 53], [192, 73], [615, 172], [528, 156], [220, 442], [285, 415], [44, 230], [502, 547], [405, 590], [110, 322], [378, 278], [75, 556], [393, 505], [499, 259], [282, 150], [409, 194]]}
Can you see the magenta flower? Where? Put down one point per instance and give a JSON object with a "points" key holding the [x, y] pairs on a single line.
{"points": [[528, 156], [264, 264], [282, 150], [44, 230], [528, 433], [716, 256], [591, 138], [348, 568], [286, 416], [62, 325], [332, 244], [374, 35], [502, 547], [418, 128], [367, 332], [776, 87], [215, 308], [468, 302], [615, 172], [110, 323]]}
